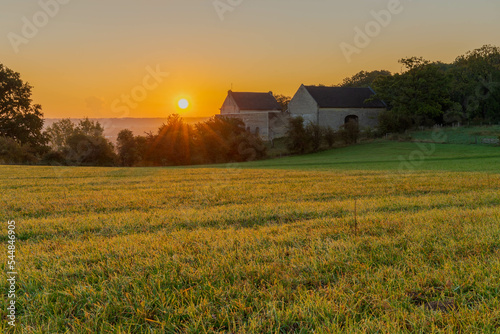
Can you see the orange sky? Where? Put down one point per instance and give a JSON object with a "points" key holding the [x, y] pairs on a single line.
{"points": [[95, 58]]}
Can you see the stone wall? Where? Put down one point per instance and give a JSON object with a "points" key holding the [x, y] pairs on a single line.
{"points": [[254, 122], [303, 104], [278, 124], [229, 106], [335, 118]]}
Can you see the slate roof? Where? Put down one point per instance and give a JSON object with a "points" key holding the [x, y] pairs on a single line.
{"points": [[255, 101], [343, 97]]}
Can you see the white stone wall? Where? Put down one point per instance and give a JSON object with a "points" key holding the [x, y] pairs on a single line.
{"points": [[278, 124], [253, 121], [303, 104], [229, 106]]}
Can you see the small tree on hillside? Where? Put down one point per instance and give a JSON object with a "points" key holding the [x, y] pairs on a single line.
{"points": [[314, 136], [350, 132], [329, 136], [80, 144], [283, 101], [59, 132], [296, 136], [127, 148]]}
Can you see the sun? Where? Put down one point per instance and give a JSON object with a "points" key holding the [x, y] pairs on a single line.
{"points": [[183, 103]]}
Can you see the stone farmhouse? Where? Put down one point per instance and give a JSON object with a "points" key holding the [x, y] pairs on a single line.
{"points": [[335, 106], [260, 112]]}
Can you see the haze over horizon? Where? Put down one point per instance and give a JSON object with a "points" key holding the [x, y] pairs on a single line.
{"points": [[90, 58]]}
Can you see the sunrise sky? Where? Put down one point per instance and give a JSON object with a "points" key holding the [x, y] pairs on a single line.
{"points": [[84, 57]]}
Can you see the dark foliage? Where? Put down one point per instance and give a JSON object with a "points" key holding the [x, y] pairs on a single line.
{"points": [[81, 144], [296, 136], [350, 132], [217, 140]]}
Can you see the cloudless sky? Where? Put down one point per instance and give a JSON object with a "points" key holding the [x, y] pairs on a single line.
{"points": [[91, 54]]}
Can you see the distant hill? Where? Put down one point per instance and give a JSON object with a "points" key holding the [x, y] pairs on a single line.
{"points": [[139, 126]]}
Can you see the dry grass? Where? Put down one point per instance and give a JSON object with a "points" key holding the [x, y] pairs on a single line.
{"points": [[253, 251]]}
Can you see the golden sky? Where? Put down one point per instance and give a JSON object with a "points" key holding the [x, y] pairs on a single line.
{"points": [[131, 58]]}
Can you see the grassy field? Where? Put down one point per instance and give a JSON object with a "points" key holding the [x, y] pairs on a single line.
{"points": [[394, 157], [461, 135], [266, 247]]}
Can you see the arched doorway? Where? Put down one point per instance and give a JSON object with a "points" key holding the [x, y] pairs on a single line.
{"points": [[351, 118]]}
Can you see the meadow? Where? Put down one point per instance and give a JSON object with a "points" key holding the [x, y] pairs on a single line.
{"points": [[343, 241]]}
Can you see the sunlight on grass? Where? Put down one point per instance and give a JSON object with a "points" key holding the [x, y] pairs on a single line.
{"points": [[253, 251]]}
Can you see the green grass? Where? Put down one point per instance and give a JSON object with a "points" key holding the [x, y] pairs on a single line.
{"points": [[462, 135], [394, 156], [265, 247]]}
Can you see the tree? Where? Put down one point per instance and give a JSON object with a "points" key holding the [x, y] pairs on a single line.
{"points": [[283, 101], [329, 135], [80, 144], [224, 139], [172, 144], [83, 149], [90, 128], [475, 83], [296, 136], [364, 79], [59, 132], [421, 93], [11, 152], [19, 118], [350, 132], [314, 135], [127, 148]]}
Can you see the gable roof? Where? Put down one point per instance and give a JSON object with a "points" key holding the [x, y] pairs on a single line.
{"points": [[343, 97], [255, 101]]}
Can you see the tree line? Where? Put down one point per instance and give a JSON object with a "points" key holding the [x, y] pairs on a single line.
{"points": [[427, 93], [217, 140], [424, 93]]}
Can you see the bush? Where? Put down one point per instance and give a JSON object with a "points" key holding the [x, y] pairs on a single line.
{"points": [[391, 121], [369, 133], [350, 132], [296, 136], [314, 135], [329, 135], [221, 140], [87, 150], [127, 147], [79, 144], [54, 158], [11, 152]]}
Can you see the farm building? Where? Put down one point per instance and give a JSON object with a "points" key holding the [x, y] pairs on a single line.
{"points": [[260, 112], [335, 106]]}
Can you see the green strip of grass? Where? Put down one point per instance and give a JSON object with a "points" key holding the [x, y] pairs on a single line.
{"points": [[393, 156]]}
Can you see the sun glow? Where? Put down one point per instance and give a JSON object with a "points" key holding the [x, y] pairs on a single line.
{"points": [[183, 104]]}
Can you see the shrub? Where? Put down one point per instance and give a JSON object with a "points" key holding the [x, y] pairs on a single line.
{"points": [[296, 136], [350, 132], [329, 135], [11, 152], [391, 121], [314, 136], [87, 150]]}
